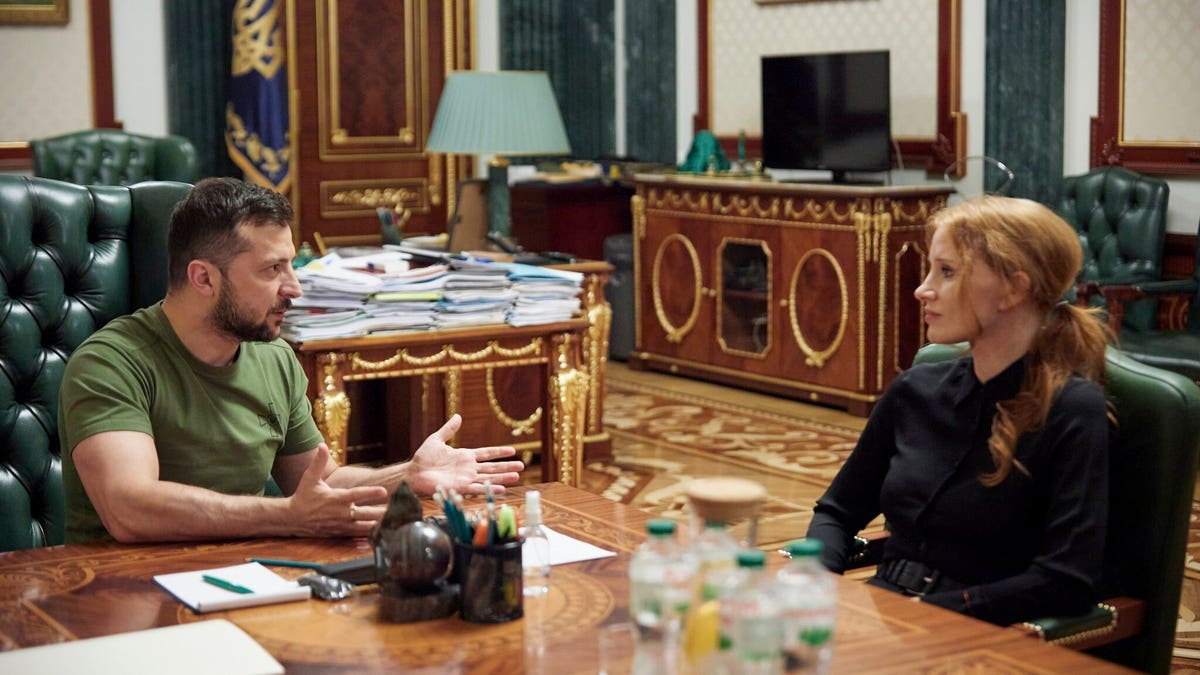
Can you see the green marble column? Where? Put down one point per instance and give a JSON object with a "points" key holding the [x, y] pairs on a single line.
{"points": [[572, 40], [198, 55], [1024, 95], [650, 80]]}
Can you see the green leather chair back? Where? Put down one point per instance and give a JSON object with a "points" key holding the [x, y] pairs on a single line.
{"points": [[71, 259], [114, 157], [1153, 469], [1121, 218]]}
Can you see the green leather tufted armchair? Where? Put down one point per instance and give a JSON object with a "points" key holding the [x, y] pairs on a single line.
{"points": [[114, 157], [1121, 218], [1175, 346], [71, 259]]}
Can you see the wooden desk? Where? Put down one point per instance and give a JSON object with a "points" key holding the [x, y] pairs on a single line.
{"points": [[493, 393], [67, 593], [554, 348]]}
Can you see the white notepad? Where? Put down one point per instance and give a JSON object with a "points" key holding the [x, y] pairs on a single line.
{"points": [[213, 646], [267, 588], [565, 549]]}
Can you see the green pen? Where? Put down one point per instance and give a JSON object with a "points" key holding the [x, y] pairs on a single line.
{"points": [[221, 583], [287, 563]]}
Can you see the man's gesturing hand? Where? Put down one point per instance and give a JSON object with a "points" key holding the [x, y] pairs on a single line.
{"points": [[463, 469], [319, 509]]}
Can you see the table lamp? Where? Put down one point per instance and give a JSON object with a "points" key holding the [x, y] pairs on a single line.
{"points": [[498, 113]]}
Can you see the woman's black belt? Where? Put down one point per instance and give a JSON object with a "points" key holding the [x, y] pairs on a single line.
{"points": [[915, 578]]}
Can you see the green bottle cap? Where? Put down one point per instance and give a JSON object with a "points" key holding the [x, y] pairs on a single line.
{"points": [[751, 558], [802, 548], [660, 527]]}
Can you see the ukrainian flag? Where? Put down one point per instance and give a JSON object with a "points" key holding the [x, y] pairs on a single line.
{"points": [[256, 117]]}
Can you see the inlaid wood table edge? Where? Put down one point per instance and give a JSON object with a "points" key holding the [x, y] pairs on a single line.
{"points": [[65, 593], [558, 347]]}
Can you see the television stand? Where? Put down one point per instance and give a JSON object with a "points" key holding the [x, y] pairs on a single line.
{"points": [[839, 178]]}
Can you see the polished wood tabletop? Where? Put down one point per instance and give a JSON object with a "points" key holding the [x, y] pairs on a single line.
{"points": [[65, 593]]}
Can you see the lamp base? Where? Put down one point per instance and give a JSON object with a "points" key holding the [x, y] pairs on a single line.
{"points": [[498, 199]]}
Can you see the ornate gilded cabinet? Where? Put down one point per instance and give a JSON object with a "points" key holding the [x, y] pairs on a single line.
{"points": [[803, 290]]}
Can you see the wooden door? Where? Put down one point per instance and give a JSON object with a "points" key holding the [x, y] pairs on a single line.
{"points": [[822, 277], [675, 286], [365, 80]]}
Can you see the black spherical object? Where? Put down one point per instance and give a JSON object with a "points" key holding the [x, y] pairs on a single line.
{"points": [[414, 556]]}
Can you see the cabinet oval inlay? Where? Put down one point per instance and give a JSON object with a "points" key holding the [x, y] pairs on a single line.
{"points": [[818, 293], [675, 333]]}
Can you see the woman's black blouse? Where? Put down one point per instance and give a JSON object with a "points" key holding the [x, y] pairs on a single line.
{"points": [[1029, 547]]}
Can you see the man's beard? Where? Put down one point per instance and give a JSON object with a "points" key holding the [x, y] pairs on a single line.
{"points": [[228, 320]]}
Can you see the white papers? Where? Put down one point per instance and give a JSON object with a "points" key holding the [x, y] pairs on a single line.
{"points": [[564, 549], [213, 646], [191, 589]]}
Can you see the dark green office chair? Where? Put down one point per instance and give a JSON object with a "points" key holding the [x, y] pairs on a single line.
{"points": [[1153, 469], [71, 259], [1121, 219], [114, 157], [1175, 346]]}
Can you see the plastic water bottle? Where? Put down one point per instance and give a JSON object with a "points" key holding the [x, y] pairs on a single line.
{"points": [[662, 577], [809, 596], [748, 619], [716, 554], [535, 552]]}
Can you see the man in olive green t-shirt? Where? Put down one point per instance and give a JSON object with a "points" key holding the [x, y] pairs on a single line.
{"points": [[171, 419]]}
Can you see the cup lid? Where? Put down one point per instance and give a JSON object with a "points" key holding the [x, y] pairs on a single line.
{"points": [[725, 498]]}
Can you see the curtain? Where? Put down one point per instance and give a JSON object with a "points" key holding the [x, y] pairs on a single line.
{"points": [[572, 40], [650, 80], [1025, 55]]}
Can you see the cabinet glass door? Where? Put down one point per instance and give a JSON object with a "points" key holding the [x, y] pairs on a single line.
{"points": [[745, 296]]}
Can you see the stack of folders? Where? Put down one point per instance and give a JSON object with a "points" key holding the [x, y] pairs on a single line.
{"points": [[544, 295], [476, 293], [231, 587], [346, 297]]}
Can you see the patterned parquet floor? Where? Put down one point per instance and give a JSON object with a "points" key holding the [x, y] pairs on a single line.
{"points": [[667, 430]]}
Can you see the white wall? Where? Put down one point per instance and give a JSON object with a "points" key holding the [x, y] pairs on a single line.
{"points": [[45, 78], [139, 66]]}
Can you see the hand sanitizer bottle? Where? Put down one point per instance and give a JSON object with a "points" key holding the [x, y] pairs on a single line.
{"points": [[535, 552]]}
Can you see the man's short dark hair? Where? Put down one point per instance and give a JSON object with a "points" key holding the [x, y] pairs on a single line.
{"points": [[204, 225]]}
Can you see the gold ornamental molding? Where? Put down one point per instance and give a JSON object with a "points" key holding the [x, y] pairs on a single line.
{"points": [[907, 249], [452, 382], [332, 406], [637, 205], [676, 333], [814, 357], [519, 427], [595, 350], [354, 198], [335, 143], [446, 353], [818, 209], [741, 205], [568, 390]]}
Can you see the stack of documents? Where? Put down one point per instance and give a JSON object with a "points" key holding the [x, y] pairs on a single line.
{"points": [[476, 293], [346, 297], [544, 295]]}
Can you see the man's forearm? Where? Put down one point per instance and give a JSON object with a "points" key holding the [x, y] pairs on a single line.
{"points": [[388, 476], [176, 512]]}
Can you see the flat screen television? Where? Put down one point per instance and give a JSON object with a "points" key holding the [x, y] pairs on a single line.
{"points": [[827, 111]]}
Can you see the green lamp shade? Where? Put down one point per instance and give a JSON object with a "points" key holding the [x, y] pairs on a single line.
{"points": [[498, 113]]}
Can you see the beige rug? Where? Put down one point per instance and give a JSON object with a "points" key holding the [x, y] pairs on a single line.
{"points": [[662, 439]]}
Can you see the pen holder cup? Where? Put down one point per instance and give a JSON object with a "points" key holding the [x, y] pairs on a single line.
{"points": [[491, 580]]}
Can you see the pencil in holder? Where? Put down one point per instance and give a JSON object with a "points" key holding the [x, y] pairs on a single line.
{"points": [[490, 579]]}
